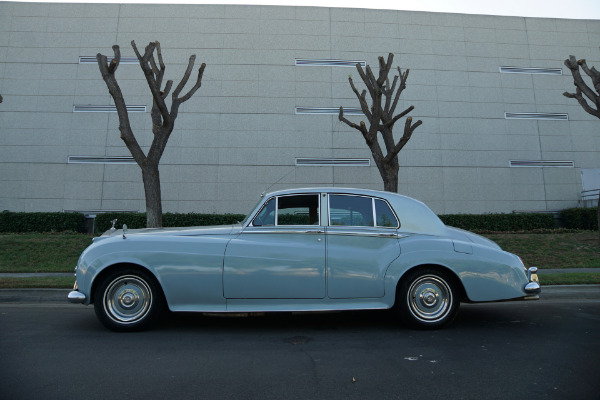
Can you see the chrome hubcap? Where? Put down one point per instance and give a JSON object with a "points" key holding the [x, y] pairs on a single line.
{"points": [[127, 299], [429, 298]]}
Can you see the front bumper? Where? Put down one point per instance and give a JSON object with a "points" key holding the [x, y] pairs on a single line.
{"points": [[75, 296]]}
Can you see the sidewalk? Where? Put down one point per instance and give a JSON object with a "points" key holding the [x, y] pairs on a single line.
{"points": [[59, 296]]}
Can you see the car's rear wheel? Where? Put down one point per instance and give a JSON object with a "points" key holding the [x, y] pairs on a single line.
{"points": [[127, 300], [427, 298]]}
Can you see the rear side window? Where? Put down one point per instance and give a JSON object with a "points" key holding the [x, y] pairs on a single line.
{"points": [[350, 211], [385, 216], [346, 210]]}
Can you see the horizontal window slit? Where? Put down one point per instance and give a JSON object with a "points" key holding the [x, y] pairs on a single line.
{"points": [[531, 70], [539, 116], [328, 63], [106, 108], [93, 60], [328, 110], [541, 163], [100, 160], [335, 162]]}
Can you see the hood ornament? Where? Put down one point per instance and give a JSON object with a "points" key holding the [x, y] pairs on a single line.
{"points": [[124, 231]]}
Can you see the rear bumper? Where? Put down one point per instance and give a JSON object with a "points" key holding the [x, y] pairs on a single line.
{"points": [[532, 289]]}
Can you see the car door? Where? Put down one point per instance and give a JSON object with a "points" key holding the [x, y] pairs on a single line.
{"points": [[362, 242], [281, 254]]}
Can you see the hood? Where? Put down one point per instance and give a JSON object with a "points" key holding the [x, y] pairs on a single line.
{"points": [[185, 231]]}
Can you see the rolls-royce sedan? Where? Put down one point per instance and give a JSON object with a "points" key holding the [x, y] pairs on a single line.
{"points": [[310, 249]]}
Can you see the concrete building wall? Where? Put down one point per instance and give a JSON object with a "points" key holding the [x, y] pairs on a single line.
{"points": [[240, 134]]}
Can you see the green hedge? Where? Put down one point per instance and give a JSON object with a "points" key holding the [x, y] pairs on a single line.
{"points": [[580, 218], [15, 222], [500, 222], [19, 222], [138, 220]]}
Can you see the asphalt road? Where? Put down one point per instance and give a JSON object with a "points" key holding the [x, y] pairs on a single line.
{"points": [[534, 350]]}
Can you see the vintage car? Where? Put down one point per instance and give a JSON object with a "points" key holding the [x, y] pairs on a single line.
{"points": [[311, 249]]}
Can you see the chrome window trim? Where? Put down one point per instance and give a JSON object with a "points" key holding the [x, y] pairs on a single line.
{"points": [[272, 230], [251, 224], [398, 224], [373, 210]]}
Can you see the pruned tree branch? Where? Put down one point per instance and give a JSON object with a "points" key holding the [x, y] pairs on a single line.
{"points": [[380, 116], [409, 128], [581, 87], [107, 70], [163, 119]]}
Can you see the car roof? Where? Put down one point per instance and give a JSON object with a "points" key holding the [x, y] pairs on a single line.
{"points": [[414, 215]]}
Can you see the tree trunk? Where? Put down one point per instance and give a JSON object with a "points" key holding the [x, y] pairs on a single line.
{"points": [[389, 174], [151, 178]]}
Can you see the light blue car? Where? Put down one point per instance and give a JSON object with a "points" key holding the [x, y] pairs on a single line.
{"points": [[312, 249]]}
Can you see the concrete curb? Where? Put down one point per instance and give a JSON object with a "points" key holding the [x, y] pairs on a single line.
{"points": [[565, 292], [34, 295]]}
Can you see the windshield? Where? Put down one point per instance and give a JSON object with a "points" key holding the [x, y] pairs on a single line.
{"points": [[245, 221]]}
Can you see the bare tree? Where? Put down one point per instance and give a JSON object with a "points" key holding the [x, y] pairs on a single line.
{"points": [[582, 90], [163, 119], [381, 119]]}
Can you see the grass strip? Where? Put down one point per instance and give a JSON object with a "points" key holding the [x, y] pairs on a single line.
{"points": [[552, 250], [52, 282], [37, 252], [571, 278]]}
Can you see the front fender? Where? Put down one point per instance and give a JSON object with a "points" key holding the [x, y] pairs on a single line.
{"points": [[189, 270]]}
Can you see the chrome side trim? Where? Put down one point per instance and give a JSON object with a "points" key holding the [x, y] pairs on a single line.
{"points": [[322, 232], [368, 234], [286, 231]]}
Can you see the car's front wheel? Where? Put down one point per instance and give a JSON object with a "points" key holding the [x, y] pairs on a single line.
{"points": [[127, 300], [427, 298]]}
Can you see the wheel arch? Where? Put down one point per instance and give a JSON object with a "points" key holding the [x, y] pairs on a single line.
{"points": [[444, 269], [123, 265]]}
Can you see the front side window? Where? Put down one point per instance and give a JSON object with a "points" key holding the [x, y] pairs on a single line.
{"points": [[298, 210], [289, 210], [266, 216]]}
